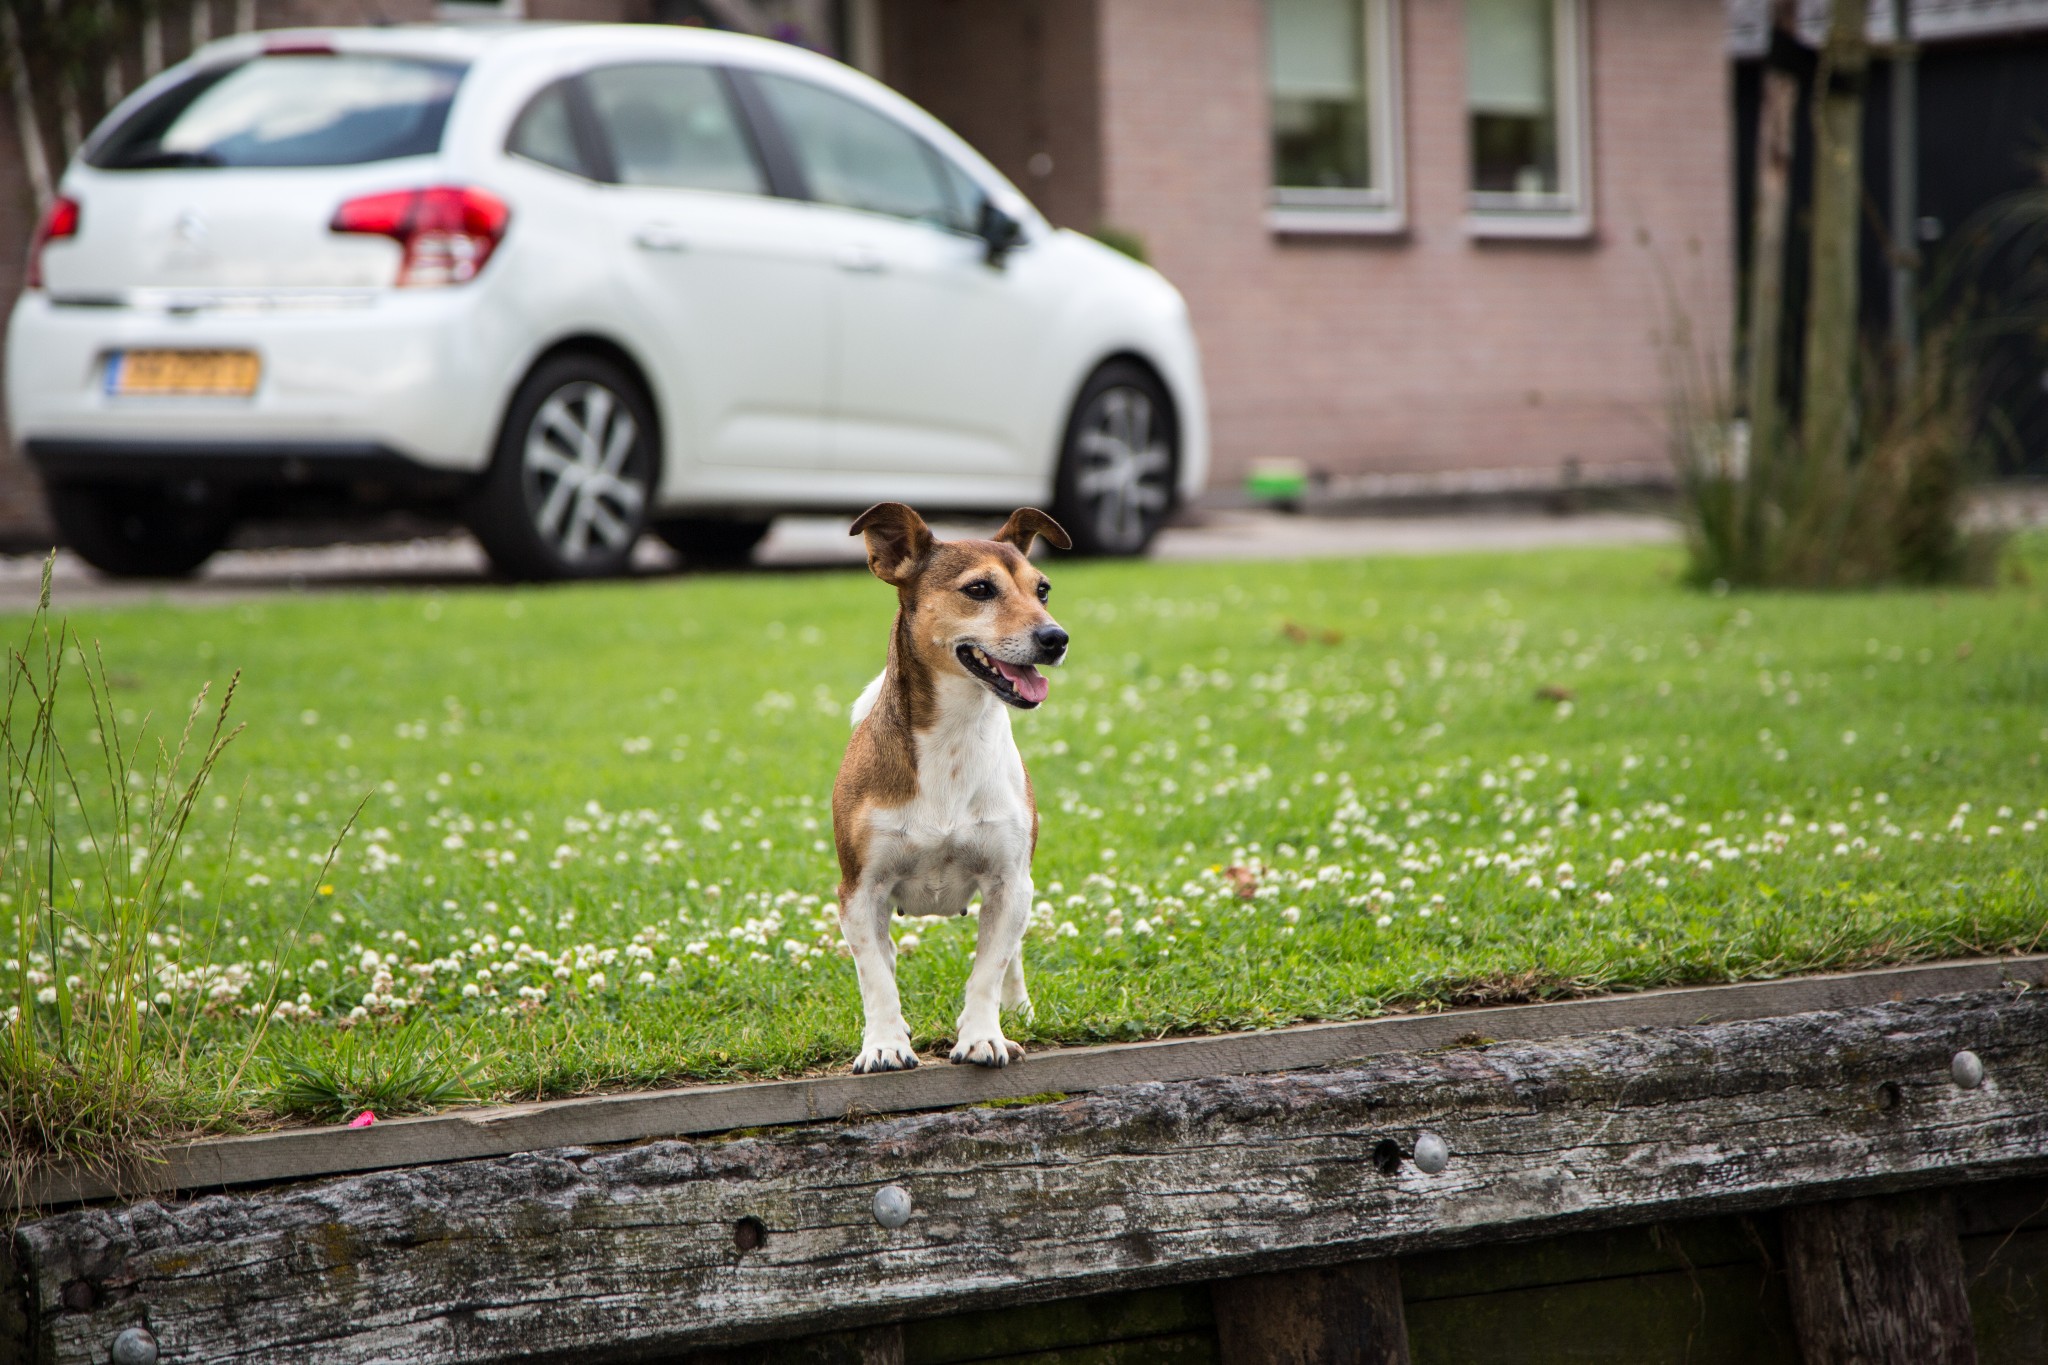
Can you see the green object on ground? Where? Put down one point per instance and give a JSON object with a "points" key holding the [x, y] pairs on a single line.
{"points": [[596, 847], [1276, 483]]}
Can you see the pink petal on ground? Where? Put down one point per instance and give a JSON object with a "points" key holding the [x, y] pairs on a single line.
{"points": [[362, 1120]]}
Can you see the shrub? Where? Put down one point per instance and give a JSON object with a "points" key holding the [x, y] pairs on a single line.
{"points": [[1893, 511]]}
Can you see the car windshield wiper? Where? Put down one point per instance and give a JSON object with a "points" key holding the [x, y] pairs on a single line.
{"points": [[162, 160]]}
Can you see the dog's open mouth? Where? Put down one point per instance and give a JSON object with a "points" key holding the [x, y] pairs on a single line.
{"points": [[1021, 685]]}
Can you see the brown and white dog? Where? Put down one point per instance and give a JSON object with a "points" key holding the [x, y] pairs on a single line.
{"points": [[932, 804]]}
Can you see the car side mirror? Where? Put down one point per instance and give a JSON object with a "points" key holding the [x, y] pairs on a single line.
{"points": [[1001, 233]]}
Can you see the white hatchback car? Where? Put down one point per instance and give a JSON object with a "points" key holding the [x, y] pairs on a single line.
{"points": [[574, 282]]}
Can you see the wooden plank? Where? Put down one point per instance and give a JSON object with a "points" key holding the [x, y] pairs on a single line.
{"points": [[1003, 1333], [1878, 1282], [2008, 1278], [1318, 1315], [631, 1254], [467, 1134], [1723, 1315], [863, 1346], [1611, 1253]]}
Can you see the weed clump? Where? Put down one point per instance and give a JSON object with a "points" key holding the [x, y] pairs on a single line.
{"points": [[1891, 510]]}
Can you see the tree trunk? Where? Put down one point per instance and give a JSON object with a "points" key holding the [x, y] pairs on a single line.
{"points": [[1829, 395], [1779, 107], [1878, 1282], [1336, 1315]]}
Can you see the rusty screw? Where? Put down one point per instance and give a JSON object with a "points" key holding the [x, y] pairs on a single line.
{"points": [[133, 1346], [1967, 1069], [892, 1206]]}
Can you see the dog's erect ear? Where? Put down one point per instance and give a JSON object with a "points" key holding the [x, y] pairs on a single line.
{"points": [[898, 540], [1026, 522]]}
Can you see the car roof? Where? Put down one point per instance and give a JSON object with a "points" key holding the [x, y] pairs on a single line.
{"points": [[472, 42]]}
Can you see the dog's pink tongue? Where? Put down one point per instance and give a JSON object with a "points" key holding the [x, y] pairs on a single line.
{"points": [[1029, 682]]}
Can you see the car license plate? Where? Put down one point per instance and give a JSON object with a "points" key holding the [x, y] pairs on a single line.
{"points": [[212, 374]]}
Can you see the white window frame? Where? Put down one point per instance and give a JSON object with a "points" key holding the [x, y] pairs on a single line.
{"points": [[1382, 209], [465, 11], [1568, 213]]}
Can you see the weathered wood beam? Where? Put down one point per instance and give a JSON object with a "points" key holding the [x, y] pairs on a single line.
{"points": [[588, 1121], [1878, 1282], [1320, 1315], [637, 1253]]}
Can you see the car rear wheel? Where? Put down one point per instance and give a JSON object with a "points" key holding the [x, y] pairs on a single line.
{"points": [[1118, 463], [568, 491], [136, 530], [711, 542]]}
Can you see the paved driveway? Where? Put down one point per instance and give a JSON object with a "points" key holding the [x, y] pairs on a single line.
{"points": [[815, 542]]}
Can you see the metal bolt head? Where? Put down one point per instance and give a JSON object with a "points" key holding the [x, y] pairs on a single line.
{"points": [[892, 1206], [133, 1346], [1432, 1153], [1967, 1069]]}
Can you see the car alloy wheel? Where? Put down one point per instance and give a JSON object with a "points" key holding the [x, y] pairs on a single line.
{"points": [[1117, 474], [585, 485]]}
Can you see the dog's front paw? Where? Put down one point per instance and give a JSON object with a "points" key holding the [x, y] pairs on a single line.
{"points": [[891, 1055], [993, 1050]]}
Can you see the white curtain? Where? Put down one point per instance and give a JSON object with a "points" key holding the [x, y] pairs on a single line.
{"points": [[1316, 49], [1508, 57]]}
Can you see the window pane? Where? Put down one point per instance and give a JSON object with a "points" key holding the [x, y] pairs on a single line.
{"points": [[290, 110], [855, 157], [546, 134], [671, 125], [1320, 131], [1511, 90], [963, 196]]}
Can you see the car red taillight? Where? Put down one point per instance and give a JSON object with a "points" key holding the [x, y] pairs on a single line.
{"points": [[448, 232], [60, 220]]}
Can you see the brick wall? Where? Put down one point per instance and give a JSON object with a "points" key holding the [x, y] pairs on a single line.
{"points": [[1428, 352]]}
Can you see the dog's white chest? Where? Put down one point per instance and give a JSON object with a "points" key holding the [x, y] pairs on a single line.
{"points": [[969, 820]]}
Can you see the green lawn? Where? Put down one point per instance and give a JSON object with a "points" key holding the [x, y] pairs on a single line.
{"points": [[596, 844]]}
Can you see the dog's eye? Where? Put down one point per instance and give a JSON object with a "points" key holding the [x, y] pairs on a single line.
{"points": [[1044, 589], [980, 591]]}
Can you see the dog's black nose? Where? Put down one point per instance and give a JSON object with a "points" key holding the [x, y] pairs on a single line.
{"points": [[1051, 639]]}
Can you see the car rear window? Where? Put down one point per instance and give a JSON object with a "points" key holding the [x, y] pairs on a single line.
{"points": [[297, 109]]}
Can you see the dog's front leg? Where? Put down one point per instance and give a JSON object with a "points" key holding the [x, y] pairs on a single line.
{"points": [[885, 1041], [998, 953]]}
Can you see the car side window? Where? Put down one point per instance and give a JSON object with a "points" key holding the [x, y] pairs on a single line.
{"points": [[965, 194], [859, 158], [546, 132], [673, 125]]}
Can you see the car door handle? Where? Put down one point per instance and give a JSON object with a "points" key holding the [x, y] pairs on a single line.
{"points": [[661, 237], [861, 260]]}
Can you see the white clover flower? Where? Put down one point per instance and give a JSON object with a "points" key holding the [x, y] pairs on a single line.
{"points": [[471, 990], [1384, 921], [47, 996], [596, 981], [1292, 914]]}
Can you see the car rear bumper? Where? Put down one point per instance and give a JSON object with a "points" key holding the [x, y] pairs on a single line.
{"points": [[409, 373], [240, 464]]}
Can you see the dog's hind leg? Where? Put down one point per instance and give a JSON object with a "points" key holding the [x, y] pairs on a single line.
{"points": [[885, 1041], [998, 948], [1015, 995]]}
